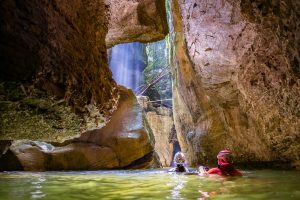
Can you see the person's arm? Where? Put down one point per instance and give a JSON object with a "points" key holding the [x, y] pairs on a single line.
{"points": [[186, 169], [202, 170], [214, 171]]}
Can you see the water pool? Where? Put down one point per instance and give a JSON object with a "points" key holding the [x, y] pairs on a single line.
{"points": [[147, 184]]}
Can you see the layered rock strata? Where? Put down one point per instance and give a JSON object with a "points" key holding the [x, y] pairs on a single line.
{"points": [[236, 79]]}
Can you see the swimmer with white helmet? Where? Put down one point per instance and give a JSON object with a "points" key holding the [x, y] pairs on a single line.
{"points": [[179, 160]]}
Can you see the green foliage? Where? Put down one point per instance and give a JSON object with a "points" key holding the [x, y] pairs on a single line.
{"points": [[158, 61]]}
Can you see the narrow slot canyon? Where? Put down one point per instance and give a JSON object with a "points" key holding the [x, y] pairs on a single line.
{"points": [[118, 88]]}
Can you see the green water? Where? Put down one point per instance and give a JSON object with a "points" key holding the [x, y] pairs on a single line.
{"points": [[147, 184]]}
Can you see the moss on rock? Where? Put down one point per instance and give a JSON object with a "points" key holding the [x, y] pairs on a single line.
{"points": [[35, 117]]}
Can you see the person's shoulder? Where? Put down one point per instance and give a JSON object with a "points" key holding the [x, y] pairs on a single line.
{"points": [[214, 170]]}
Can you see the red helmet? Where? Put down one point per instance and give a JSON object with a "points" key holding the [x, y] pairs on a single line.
{"points": [[223, 153]]}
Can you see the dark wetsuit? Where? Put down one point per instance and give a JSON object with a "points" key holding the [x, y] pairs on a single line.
{"points": [[179, 168]]}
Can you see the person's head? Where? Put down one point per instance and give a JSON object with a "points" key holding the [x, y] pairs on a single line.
{"points": [[225, 161], [225, 156], [179, 159]]}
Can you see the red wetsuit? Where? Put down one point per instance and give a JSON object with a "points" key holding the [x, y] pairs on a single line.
{"points": [[224, 169], [218, 171]]}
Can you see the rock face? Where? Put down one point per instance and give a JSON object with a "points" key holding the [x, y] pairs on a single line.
{"points": [[54, 64], [160, 121], [56, 84], [125, 142], [142, 21], [236, 82]]}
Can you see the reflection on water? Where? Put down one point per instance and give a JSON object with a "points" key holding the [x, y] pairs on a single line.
{"points": [[177, 182], [37, 185], [147, 184]]}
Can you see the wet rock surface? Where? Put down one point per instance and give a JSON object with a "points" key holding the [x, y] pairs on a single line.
{"points": [[236, 79]]}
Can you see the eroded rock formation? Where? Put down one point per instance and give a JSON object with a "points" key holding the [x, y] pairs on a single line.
{"points": [[124, 141], [237, 79], [56, 85], [142, 21]]}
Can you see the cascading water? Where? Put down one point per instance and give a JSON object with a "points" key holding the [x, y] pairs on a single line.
{"points": [[127, 64]]}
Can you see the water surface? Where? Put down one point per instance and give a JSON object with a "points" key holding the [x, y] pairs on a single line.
{"points": [[147, 184]]}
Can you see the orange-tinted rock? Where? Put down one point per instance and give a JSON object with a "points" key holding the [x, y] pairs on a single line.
{"points": [[237, 79], [82, 156], [143, 21], [126, 141], [56, 83], [127, 133]]}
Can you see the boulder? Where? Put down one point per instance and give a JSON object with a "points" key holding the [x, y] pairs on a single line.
{"points": [[127, 133]]}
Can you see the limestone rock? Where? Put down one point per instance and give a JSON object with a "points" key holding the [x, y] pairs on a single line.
{"points": [[160, 121], [127, 133], [143, 21], [54, 63], [237, 79], [161, 126]]}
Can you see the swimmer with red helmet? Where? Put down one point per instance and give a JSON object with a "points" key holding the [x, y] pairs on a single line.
{"points": [[225, 165]]}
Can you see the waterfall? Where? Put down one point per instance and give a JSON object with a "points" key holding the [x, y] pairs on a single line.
{"points": [[127, 63]]}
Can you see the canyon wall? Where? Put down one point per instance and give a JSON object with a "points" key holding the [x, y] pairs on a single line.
{"points": [[56, 85], [236, 79], [54, 70]]}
